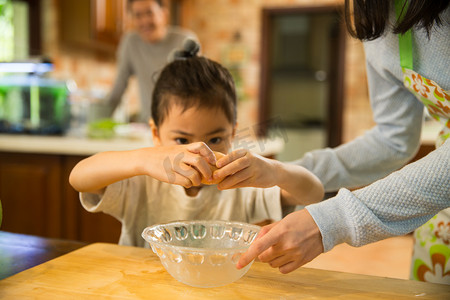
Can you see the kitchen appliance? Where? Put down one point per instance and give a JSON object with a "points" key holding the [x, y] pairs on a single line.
{"points": [[31, 102]]}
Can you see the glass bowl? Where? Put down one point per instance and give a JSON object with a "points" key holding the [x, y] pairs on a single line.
{"points": [[202, 253]]}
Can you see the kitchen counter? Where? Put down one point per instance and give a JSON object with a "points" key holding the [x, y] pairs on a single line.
{"points": [[69, 145], [119, 272], [72, 145], [19, 252], [83, 146]]}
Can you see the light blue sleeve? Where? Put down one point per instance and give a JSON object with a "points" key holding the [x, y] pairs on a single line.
{"points": [[386, 147], [406, 199], [392, 206]]}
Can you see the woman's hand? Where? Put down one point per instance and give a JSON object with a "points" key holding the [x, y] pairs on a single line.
{"points": [[287, 244], [180, 164], [241, 168]]}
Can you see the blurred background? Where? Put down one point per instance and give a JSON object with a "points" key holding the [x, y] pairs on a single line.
{"points": [[299, 76]]}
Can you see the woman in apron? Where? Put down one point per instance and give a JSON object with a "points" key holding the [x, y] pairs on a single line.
{"points": [[431, 256], [408, 69]]}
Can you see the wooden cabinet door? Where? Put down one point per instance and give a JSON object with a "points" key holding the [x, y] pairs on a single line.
{"points": [[80, 224], [108, 20], [74, 23], [37, 199], [93, 25], [30, 189]]}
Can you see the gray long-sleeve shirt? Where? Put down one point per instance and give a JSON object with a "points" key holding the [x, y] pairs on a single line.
{"points": [[144, 60], [405, 199]]}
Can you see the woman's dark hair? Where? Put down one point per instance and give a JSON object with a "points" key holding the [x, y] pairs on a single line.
{"points": [[370, 17], [194, 82], [160, 2]]}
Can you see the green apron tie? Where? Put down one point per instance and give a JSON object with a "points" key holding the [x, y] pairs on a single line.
{"points": [[404, 40]]}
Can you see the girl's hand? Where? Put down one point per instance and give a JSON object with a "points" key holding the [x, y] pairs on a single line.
{"points": [[287, 244], [180, 164], [241, 168]]}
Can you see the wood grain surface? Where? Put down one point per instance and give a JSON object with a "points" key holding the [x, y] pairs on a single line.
{"points": [[100, 271]]}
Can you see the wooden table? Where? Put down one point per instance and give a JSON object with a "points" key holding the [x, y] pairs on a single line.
{"points": [[19, 252], [119, 272]]}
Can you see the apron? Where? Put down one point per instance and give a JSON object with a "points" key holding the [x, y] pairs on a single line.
{"points": [[431, 256]]}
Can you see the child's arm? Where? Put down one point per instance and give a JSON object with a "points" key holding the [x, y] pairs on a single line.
{"points": [[179, 164], [241, 168]]}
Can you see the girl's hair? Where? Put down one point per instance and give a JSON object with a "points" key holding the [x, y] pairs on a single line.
{"points": [[193, 81], [369, 18]]}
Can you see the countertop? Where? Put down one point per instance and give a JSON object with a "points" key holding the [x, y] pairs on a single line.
{"points": [[69, 145], [83, 146], [19, 252], [121, 272]]}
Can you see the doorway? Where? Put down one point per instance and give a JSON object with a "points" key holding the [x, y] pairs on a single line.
{"points": [[302, 77]]}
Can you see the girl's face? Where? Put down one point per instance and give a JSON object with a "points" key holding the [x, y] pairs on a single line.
{"points": [[196, 124]]}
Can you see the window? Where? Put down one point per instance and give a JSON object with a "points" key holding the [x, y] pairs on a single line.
{"points": [[7, 30], [20, 27]]}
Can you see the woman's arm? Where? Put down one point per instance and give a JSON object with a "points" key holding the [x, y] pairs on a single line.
{"points": [[392, 206], [391, 143]]}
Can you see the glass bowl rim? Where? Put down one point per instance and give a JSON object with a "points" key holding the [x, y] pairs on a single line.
{"points": [[194, 250]]}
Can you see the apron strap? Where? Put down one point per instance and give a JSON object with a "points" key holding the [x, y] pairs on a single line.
{"points": [[404, 40]]}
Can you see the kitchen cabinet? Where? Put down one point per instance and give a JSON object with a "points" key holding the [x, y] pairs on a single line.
{"points": [[99, 24], [80, 224], [108, 20], [38, 199], [29, 191], [92, 24]]}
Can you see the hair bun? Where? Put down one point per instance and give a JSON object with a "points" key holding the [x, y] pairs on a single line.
{"points": [[190, 49]]}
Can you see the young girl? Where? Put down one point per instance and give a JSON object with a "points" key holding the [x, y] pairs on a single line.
{"points": [[193, 113]]}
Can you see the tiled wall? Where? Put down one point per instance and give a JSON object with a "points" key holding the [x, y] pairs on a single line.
{"points": [[215, 22]]}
